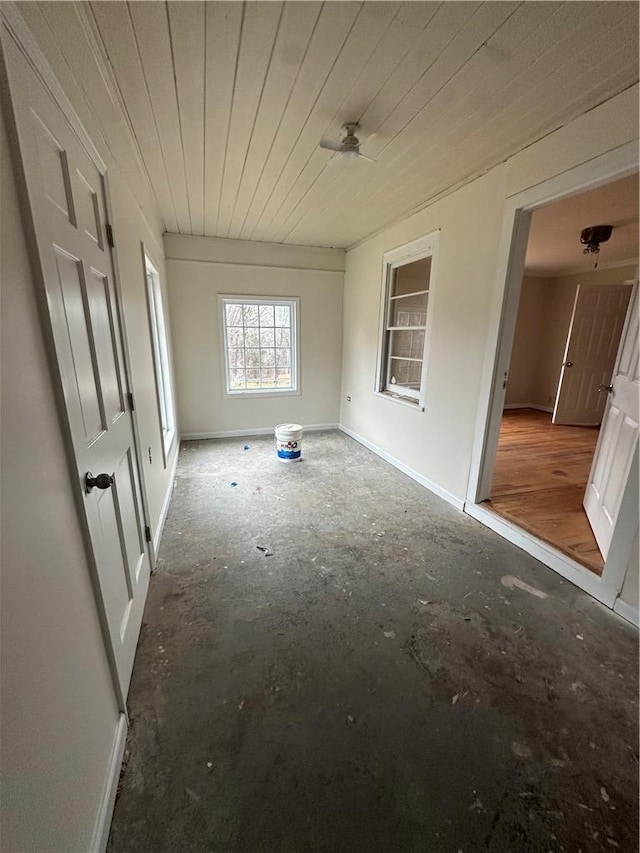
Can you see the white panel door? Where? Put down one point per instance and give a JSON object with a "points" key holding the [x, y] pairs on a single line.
{"points": [[618, 438], [590, 353], [67, 196]]}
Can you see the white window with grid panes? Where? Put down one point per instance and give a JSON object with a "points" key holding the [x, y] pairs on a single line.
{"points": [[260, 340], [405, 321]]}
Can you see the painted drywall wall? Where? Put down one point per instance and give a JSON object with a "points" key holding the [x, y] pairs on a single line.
{"points": [[528, 339], [200, 268], [59, 712], [437, 444], [544, 316], [631, 587]]}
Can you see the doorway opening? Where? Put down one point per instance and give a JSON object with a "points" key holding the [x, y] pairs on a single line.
{"points": [[554, 453], [569, 326]]}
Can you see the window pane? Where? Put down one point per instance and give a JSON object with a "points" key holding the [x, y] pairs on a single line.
{"points": [[282, 358], [160, 353], [407, 373], [267, 358], [259, 342], [235, 337], [234, 314], [267, 337], [252, 337], [409, 311], [266, 315], [283, 315], [403, 343], [252, 357], [236, 379], [409, 344], [283, 337], [411, 277], [236, 357], [283, 377], [250, 314]]}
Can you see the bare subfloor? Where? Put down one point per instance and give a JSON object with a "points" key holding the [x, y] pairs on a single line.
{"points": [[372, 681]]}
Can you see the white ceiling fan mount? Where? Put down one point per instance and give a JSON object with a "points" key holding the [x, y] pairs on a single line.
{"points": [[346, 148]]}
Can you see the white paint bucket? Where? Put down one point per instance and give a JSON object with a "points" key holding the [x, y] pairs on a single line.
{"points": [[289, 442]]}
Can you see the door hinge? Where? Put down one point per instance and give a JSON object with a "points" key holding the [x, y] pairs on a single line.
{"points": [[130, 401], [110, 236], [147, 533]]}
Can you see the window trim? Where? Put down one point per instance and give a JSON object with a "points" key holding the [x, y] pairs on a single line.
{"points": [[163, 380], [294, 303], [424, 247]]}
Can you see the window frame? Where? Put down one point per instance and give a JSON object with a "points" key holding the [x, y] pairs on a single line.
{"points": [[423, 247], [161, 356], [293, 302]]}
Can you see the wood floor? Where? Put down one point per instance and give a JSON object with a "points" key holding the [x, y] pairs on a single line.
{"points": [[540, 478]]}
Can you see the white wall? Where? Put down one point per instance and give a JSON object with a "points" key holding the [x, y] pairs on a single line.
{"points": [[200, 268], [59, 711], [631, 586], [528, 340], [437, 443]]}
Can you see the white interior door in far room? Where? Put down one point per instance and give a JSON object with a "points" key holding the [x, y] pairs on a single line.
{"points": [[618, 440], [66, 189], [597, 320]]}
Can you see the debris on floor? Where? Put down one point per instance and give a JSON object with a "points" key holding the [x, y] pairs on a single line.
{"points": [[298, 693], [246, 447], [233, 484], [265, 551]]}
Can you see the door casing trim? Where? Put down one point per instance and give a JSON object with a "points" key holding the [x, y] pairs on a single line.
{"points": [[618, 163]]}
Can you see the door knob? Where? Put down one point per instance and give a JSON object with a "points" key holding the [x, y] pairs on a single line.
{"points": [[568, 364], [607, 388], [102, 481]]}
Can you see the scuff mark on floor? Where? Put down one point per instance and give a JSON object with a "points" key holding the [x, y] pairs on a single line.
{"points": [[511, 582]]}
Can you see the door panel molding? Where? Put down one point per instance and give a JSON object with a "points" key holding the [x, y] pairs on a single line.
{"points": [[33, 92], [590, 353]]}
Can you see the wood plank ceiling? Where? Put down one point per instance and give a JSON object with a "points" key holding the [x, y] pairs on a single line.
{"points": [[227, 101]]}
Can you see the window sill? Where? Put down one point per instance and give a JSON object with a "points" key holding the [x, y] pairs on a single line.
{"points": [[416, 405], [275, 392], [168, 444]]}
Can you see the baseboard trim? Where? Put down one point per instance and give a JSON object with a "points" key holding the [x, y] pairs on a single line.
{"points": [[545, 553], [535, 406], [428, 484], [108, 799], [166, 502], [246, 433], [627, 611]]}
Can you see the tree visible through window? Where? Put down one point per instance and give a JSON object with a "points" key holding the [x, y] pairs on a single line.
{"points": [[260, 344]]}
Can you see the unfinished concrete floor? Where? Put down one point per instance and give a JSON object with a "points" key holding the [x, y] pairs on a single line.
{"points": [[373, 681]]}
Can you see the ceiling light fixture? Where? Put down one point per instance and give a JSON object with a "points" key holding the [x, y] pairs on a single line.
{"points": [[592, 237]]}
